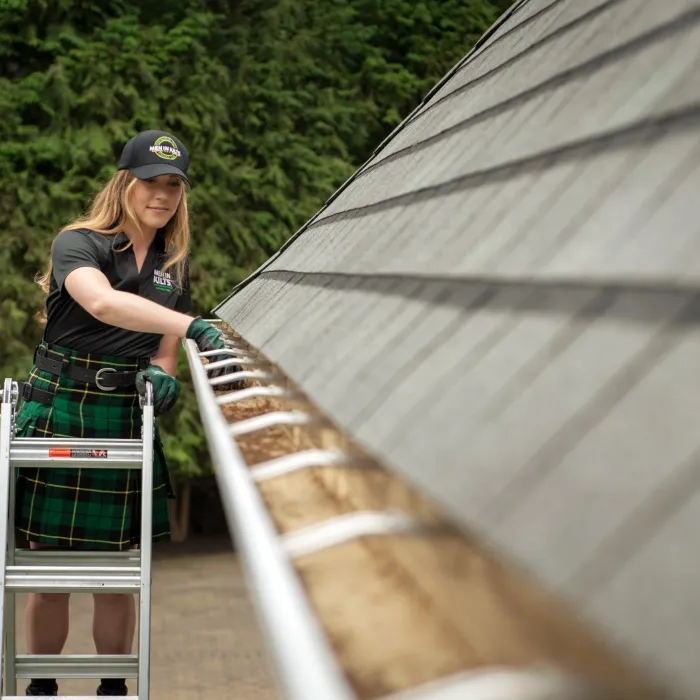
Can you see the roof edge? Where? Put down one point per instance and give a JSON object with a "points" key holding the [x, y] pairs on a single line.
{"points": [[480, 42]]}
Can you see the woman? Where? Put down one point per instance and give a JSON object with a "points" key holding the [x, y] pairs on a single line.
{"points": [[117, 301]]}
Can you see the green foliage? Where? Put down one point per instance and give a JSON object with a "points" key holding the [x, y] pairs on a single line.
{"points": [[278, 101]]}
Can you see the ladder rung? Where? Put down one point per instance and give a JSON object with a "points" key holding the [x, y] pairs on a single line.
{"points": [[114, 443], [77, 453], [77, 666], [63, 557], [77, 578]]}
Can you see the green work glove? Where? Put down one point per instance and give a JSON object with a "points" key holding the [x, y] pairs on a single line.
{"points": [[209, 338], [166, 389], [205, 335]]}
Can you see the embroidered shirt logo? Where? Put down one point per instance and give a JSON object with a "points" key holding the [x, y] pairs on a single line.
{"points": [[164, 147], [162, 281]]}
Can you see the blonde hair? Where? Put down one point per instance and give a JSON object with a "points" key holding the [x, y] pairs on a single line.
{"points": [[111, 209]]}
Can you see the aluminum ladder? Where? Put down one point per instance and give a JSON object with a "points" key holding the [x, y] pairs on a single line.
{"points": [[62, 571]]}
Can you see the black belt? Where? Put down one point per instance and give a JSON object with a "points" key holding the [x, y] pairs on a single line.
{"points": [[105, 378]]}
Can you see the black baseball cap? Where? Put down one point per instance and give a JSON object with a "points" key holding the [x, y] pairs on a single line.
{"points": [[152, 153]]}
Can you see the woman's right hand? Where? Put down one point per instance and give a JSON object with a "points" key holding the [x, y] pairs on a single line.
{"points": [[205, 335], [207, 338]]}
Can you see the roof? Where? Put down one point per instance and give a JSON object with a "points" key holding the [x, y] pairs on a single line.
{"points": [[503, 305]]}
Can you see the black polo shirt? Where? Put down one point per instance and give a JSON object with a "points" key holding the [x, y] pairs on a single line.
{"points": [[69, 325]]}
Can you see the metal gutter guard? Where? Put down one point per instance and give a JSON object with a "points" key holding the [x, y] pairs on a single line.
{"points": [[304, 663]]}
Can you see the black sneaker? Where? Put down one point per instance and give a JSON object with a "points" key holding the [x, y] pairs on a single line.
{"points": [[34, 691], [113, 692]]}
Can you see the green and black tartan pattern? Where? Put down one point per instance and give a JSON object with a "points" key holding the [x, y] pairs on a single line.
{"points": [[87, 508]]}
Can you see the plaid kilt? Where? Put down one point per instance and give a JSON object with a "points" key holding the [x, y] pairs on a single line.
{"points": [[87, 508]]}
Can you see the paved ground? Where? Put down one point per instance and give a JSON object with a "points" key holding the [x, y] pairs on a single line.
{"points": [[206, 643]]}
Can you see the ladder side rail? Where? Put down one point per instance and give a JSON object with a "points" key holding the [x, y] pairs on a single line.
{"points": [[11, 598], [6, 427], [146, 547]]}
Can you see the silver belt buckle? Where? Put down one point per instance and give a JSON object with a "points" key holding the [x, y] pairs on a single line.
{"points": [[98, 376]]}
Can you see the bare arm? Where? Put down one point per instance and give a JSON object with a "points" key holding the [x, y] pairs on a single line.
{"points": [[92, 290], [166, 357]]}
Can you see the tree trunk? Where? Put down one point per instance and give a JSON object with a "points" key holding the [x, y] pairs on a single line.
{"points": [[180, 512]]}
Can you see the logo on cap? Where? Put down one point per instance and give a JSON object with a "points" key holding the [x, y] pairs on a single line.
{"points": [[164, 147]]}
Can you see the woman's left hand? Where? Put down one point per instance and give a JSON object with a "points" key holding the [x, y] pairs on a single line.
{"points": [[166, 389]]}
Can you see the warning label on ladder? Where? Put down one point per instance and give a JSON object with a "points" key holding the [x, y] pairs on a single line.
{"points": [[79, 454]]}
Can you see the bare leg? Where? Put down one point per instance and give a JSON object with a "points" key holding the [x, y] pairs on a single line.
{"points": [[46, 620], [113, 623]]}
